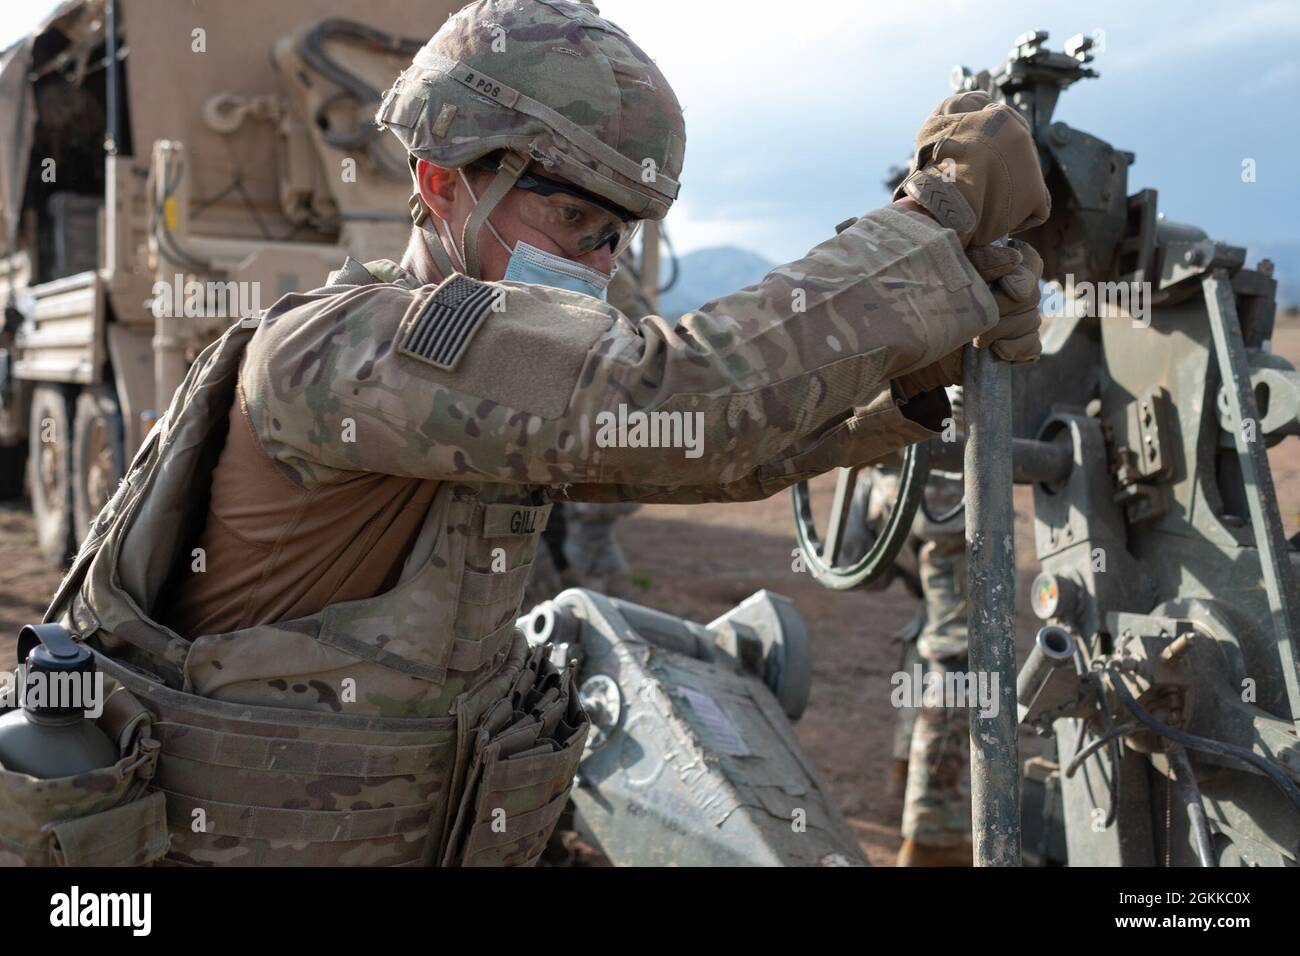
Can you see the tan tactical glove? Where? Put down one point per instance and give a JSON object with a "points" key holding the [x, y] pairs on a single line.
{"points": [[976, 170], [1015, 270], [1015, 337]]}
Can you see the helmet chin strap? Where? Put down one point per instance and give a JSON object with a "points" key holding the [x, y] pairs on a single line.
{"points": [[508, 173], [432, 237]]}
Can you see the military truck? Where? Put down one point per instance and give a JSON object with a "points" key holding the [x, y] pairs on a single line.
{"points": [[169, 168]]}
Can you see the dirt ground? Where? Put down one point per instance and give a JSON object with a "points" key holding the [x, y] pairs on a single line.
{"points": [[699, 562]]}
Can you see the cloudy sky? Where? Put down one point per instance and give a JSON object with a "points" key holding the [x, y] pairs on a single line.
{"points": [[795, 110]]}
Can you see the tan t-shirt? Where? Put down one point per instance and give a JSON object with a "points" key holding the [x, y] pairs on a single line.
{"points": [[274, 550]]}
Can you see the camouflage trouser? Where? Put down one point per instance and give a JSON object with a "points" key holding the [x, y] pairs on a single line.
{"points": [[590, 547], [906, 721], [935, 741], [936, 807]]}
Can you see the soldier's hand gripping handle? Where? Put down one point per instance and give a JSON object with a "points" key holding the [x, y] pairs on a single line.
{"points": [[976, 170], [1013, 272], [1015, 337]]}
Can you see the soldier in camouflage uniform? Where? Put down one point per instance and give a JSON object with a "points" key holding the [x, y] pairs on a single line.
{"points": [[332, 649]]}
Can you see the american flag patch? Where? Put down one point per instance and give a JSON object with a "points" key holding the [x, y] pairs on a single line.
{"points": [[442, 328]]}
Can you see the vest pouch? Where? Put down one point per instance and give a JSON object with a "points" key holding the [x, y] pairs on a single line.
{"points": [[490, 600], [524, 753], [100, 818], [249, 785]]}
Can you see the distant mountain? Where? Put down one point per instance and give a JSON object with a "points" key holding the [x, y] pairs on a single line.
{"points": [[708, 273]]}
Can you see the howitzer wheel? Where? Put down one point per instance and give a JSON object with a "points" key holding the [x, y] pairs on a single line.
{"points": [[823, 559]]}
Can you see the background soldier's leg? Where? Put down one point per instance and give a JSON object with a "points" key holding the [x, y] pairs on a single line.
{"points": [[592, 550], [936, 812], [906, 721], [551, 573], [906, 715]]}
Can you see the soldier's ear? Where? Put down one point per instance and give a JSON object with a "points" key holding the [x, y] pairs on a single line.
{"points": [[437, 186]]}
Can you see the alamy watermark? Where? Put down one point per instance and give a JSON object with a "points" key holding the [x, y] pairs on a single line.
{"points": [[200, 300], [638, 429], [1086, 300], [921, 688], [42, 689], [74, 908]]}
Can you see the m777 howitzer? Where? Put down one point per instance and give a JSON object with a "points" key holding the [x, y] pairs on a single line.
{"points": [[1165, 671]]}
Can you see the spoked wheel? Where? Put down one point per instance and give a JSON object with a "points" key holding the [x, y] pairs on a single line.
{"points": [[829, 561]]}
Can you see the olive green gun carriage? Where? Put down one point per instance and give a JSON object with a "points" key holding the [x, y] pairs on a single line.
{"points": [[1165, 672]]}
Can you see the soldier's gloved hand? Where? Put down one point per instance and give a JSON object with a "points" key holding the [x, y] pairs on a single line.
{"points": [[1015, 337], [976, 170], [1013, 271]]}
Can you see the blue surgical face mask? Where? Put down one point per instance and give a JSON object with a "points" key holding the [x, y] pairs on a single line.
{"points": [[530, 264]]}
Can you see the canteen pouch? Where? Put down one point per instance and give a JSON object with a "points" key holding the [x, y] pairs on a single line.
{"points": [[522, 757], [100, 818]]}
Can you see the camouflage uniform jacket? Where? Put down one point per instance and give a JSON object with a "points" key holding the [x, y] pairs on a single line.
{"points": [[787, 378], [376, 403]]}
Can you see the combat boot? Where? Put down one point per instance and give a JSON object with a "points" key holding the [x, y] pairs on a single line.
{"points": [[922, 854]]}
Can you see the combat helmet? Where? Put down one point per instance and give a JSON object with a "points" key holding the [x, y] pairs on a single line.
{"points": [[542, 80]]}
